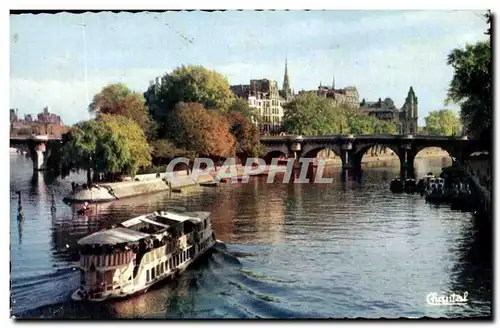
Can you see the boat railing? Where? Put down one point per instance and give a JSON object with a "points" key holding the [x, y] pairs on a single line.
{"points": [[160, 252], [106, 260]]}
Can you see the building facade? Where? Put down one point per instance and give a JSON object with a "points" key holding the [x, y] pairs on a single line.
{"points": [[265, 97], [406, 117], [44, 117], [45, 123], [345, 97]]}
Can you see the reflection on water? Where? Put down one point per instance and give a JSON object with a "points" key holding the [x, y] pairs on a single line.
{"points": [[350, 248]]}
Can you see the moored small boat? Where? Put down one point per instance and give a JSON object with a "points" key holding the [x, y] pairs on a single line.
{"points": [[397, 186], [140, 252]]}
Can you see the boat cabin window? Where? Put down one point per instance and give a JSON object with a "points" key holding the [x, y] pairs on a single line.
{"points": [[147, 275], [152, 273]]}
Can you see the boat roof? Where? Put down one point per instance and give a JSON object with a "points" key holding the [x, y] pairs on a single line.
{"points": [[124, 233], [113, 236]]}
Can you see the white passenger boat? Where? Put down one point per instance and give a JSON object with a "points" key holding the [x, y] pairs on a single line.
{"points": [[128, 259]]}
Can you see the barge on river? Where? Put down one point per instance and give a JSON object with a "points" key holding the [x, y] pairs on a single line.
{"points": [[130, 258]]}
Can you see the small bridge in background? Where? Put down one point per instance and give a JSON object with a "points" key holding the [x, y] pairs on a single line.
{"points": [[38, 147]]}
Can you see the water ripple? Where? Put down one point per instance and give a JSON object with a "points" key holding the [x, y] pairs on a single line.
{"points": [[290, 251]]}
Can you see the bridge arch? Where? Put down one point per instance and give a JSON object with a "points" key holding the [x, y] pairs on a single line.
{"points": [[363, 149], [312, 151], [422, 151], [268, 158]]}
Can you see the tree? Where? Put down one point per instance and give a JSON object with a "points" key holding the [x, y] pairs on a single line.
{"points": [[205, 132], [166, 149], [245, 134], [187, 84], [242, 106], [386, 127], [128, 132], [471, 87], [118, 99], [109, 98], [443, 123], [79, 150], [309, 114], [110, 144], [361, 123]]}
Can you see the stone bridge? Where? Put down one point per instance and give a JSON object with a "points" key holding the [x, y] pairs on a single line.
{"points": [[39, 148], [351, 148]]}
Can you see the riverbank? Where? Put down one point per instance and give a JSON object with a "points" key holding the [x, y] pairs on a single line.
{"points": [[151, 183]]}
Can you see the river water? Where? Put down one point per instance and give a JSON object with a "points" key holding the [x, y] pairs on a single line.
{"points": [[346, 249]]}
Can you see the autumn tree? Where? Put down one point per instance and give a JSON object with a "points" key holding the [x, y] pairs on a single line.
{"points": [[443, 123], [245, 134], [205, 132], [187, 84], [118, 99]]}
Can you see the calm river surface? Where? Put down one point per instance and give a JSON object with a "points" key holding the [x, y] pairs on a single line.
{"points": [[349, 249]]}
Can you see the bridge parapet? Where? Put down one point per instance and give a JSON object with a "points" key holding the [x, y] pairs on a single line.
{"points": [[352, 147]]}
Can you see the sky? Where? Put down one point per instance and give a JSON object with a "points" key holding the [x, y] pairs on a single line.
{"points": [[62, 60]]}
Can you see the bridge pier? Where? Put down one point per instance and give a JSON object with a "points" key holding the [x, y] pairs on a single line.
{"points": [[39, 154], [407, 162]]}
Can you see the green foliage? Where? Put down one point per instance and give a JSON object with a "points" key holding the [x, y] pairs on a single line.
{"points": [[131, 136], [443, 123], [80, 150], [110, 144], [118, 99], [187, 84], [165, 148], [310, 114], [242, 106], [471, 87]]}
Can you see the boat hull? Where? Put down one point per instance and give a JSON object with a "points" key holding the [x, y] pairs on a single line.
{"points": [[77, 295]]}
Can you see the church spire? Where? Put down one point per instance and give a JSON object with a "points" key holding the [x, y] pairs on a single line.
{"points": [[286, 82]]}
